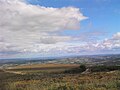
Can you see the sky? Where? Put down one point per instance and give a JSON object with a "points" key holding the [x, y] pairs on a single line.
{"points": [[48, 28]]}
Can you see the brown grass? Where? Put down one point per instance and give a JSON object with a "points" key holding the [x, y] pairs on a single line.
{"points": [[37, 80], [41, 68], [46, 66]]}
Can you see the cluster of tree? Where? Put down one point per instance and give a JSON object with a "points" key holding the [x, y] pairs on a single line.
{"points": [[104, 68], [80, 69], [101, 68]]}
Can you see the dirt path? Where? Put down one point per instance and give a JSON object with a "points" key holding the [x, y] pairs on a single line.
{"points": [[18, 72]]}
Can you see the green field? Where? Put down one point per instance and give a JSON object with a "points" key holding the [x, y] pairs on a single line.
{"points": [[60, 77]]}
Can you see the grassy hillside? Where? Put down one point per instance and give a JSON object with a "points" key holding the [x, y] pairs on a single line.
{"points": [[60, 80]]}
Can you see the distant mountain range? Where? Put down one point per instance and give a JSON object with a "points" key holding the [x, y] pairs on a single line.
{"points": [[88, 59]]}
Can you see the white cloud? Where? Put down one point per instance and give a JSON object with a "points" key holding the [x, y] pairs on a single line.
{"points": [[22, 25], [110, 44], [26, 28], [117, 36], [17, 16]]}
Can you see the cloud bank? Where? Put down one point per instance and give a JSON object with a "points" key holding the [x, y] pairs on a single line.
{"points": [[26, 28], [23, 25]]}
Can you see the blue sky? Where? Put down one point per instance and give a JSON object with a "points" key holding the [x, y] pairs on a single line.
{"points": [[75, 27], [104, 15]]}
